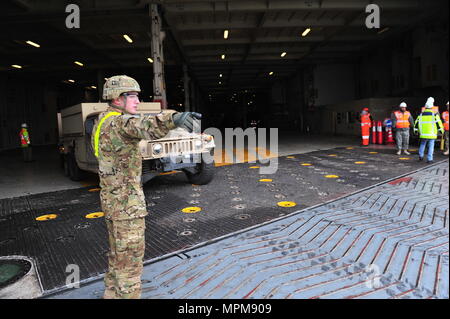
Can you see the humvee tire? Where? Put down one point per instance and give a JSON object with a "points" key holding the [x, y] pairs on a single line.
{"points": [[201, 174], [75, 173], [65, 165]]}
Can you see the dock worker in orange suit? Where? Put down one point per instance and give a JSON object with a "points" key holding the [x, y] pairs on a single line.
{"points": [[366, 124], [402, 122], [445, 118]]}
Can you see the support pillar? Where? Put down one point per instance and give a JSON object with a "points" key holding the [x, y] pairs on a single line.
{"points": [[186, 80], [159, 86]]}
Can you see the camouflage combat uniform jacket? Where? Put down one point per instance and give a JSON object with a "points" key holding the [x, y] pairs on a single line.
{"points": [[120, 161]]}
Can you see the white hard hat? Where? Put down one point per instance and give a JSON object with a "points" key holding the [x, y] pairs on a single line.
{"points": [[403, 104], [24, 124], [429, 103]]}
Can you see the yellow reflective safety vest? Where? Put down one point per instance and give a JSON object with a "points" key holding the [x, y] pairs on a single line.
{"points": [[97, 131], [427, 123]]}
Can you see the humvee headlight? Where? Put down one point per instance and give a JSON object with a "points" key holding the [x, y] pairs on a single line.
{"points": [[157, 149], [207, 138], [198, 144]]}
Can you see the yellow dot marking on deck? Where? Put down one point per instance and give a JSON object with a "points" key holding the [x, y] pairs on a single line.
{"points": [[373, 152], [46, 217], [404, 158], [95, 215], [331, 176], [332, 155], [306, 164], [94, 189], [287, 204], [191, 210], [254, 167], [290, 156], [349, 148], [265, 180], [360, 162]]}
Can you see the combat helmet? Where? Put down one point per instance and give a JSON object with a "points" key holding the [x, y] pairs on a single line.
{"points": [[117, 85]]}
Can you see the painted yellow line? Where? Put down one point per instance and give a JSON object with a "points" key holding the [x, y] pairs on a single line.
{"points": [[306, 164], [265, 153], [265, 180], [241, 155], [331, 176], [88, 184], [404, 158], [170, 173], [360, 162], [222, 158], [94, 189]]}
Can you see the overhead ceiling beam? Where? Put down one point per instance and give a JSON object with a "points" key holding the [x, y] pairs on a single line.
{"points": [[261, 22], [178, 7], [60, 16], [253, 23]]}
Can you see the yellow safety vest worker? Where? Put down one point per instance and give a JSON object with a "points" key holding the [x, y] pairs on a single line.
{"points": [[435, 109]]}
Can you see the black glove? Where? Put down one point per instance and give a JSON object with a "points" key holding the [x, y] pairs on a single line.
{"points": [[186, 120]]}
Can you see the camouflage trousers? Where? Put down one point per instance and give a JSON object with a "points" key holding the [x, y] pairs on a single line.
{"points": [[402, 139], [127, 246]]}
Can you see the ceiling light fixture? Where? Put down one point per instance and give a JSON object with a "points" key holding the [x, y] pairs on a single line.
{"points": [[220, 75], [271, 73], [307, 30], [225, 34], [223, 57], [33, 44], [71, 81], [283, 54], [127, 38], [79, 63], [93, 87], [150, 60], [16, 66]]}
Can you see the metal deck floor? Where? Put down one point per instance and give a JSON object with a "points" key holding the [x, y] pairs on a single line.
{"points": [[235, 200], [390, 241]]}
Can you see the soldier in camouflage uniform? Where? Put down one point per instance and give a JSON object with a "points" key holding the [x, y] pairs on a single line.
{"points": [[115, 142]]}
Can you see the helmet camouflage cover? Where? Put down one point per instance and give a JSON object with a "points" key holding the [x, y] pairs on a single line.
{"points": [[118, 84]]}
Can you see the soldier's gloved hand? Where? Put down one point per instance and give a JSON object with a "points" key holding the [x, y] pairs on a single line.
{"points": [[186, 120]]}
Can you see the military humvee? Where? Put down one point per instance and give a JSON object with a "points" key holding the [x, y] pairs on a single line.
{"points": [[178, 150]]}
